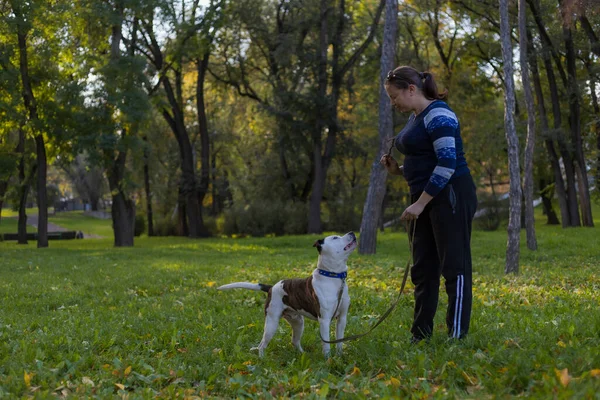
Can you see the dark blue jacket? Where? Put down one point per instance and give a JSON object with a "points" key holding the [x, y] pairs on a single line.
{"points": [[433, 148]]}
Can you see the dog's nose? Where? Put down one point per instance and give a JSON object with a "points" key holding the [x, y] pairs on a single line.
{"points": [[351, 234]]}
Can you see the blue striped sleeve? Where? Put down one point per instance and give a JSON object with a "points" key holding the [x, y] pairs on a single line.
{"points": [[441, 125]]}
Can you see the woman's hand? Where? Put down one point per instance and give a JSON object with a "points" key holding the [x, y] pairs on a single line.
{"points": [[391, 165], [412, 212]]}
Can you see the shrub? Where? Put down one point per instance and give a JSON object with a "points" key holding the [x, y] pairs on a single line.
{"points": [[266, 217], [140, 225], [165, 226], [491, 213]]}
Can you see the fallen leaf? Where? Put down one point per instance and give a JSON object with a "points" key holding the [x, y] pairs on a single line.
{"points": [[355, 371], [87, 381], [595, 373], [120, 386], [127, 371], [469, 379], [563, 376], [27, 378], [395, 382]]}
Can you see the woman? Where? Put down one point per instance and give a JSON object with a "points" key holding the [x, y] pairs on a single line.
{"points": [[443, 200]]}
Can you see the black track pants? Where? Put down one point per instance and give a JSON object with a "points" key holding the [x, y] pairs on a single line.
{"points": [[442, 246]]}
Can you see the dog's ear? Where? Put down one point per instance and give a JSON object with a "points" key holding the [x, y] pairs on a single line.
{"points": [[318, 244]]}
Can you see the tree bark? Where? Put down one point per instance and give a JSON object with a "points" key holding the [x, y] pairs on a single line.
{"points": [[530, 142], [548, 52], [562, 146], [589, 31], [149, 213], [24, 186], [514, 222], [202, 67], [314, 208], [546, 196], [372, 209], [3, 189], [575, 121], [123, 207], [596, 106], [31, 107], [561, 193]]}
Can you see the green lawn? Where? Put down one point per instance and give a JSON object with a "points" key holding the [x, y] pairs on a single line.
{"points": [[10, 225], [83, 318], [7, 212], [76, 221]]}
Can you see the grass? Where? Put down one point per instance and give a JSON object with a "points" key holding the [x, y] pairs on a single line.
{"points": [[76, 221], [72, 220], [8, 212], [10, 225], [82, 319]]}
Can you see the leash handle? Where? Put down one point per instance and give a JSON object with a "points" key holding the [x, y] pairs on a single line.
{"points": [[392, 307]]}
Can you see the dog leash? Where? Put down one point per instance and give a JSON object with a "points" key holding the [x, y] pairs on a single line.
{"points": [[392, 307]]}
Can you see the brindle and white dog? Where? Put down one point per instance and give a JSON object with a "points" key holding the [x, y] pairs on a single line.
{"points": [[315, 297]]}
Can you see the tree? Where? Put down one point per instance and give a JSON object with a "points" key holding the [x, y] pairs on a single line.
{"points": [[575, 118], [514, 222], [169, 63], [530, 142], [23, 14], [87, 179], [376, 192]]}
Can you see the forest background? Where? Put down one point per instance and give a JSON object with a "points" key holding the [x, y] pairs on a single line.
{"points": [[260, 117]]}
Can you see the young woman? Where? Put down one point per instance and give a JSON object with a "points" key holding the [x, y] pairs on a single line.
{"points": [[443, 200]]}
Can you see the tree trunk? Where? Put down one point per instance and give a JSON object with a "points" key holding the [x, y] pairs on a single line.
{"points": [[546, 196], [314, 209], [149, 214], [31, 107], [372, 209], [575, 121], [558, 133], [202, 67], [558, 178], [24, 186], [548, 52], [22, 222], [3, 189], [530, 143], [596, 107], [514, 222], [123, 208], [175, 118], [587, 27]]}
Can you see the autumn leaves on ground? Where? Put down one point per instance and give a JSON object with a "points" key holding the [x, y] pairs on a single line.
{"points": [[82, 318]]}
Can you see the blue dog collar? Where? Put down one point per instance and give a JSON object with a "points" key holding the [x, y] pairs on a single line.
{"points": [[330, 274]]}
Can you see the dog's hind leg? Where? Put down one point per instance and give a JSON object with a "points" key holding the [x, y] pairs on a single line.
{"points": [[296, 321], [271, 323]]}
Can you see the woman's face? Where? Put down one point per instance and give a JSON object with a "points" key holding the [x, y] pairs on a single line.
{"points": [[401, 99]]}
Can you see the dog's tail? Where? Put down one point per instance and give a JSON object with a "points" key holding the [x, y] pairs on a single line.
{"points": [[246, 285]]}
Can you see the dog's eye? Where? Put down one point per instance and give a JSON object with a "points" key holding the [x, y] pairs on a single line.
{"points": [[335, 237]]}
